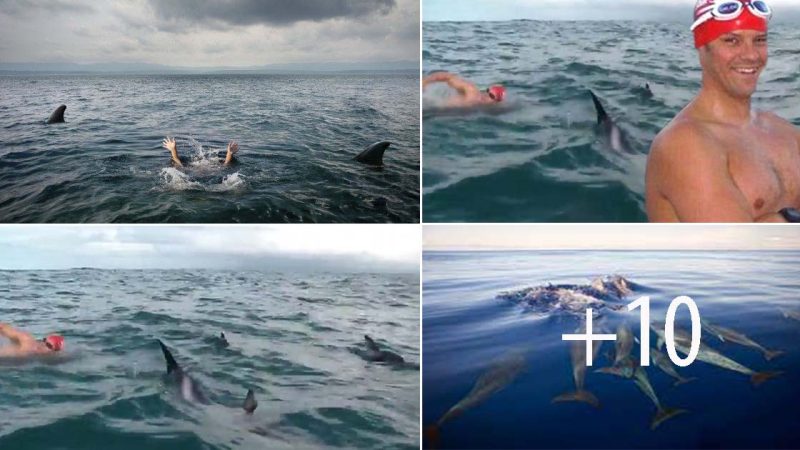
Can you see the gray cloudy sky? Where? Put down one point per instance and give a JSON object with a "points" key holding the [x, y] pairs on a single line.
{"points": [[657, 10], [612, 237], [203, 33], [348, 248]]}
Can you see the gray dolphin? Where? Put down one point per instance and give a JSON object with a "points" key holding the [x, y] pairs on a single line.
{"points": [[730, 335], [373, 154], [665, 364], [374, 353], [577, 352], [58, 115], [497, 377], [616, 138], [190, 389]]}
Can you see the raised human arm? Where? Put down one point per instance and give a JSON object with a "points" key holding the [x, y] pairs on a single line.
{"points": [[687, 170], [17, 336], [233, 147], [461, 85], [169, 144]]}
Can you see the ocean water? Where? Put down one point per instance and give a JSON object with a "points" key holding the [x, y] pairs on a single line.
{"points": [[541, 159], [297, 138], [293, 339], [466, 329]]}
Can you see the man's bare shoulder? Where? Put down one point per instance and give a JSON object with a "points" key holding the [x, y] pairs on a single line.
{"points": [[682, 138], [772, 120]]}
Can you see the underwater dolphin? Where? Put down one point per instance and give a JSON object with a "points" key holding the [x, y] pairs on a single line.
{"points": [[577, 352], [789, 314], [58, 115], [727, 334], [373, 154], [665, 364], [498, 376], [662, 413], [190, 390], [711, 356], [623, 344], [616, 138]]}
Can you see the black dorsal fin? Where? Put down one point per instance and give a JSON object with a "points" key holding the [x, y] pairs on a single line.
{"points": [[601, 112], [172, 365]]}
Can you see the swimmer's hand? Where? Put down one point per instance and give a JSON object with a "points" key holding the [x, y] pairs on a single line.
{"points": [[233, 147], [169, 144]]}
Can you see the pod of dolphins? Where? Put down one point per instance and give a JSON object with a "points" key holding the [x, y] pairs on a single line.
{"points": [[573, 300]]}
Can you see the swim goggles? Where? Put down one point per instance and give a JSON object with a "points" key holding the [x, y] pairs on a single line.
{"points": [[48, 344], [731, 9]]}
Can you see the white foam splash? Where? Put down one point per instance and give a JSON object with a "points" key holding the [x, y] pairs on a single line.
{"points": [[177, 180], [232, 182]]}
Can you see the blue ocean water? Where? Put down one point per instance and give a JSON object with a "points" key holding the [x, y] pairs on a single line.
{"points": [[293, 339], [297, 136], [541, 159], [466, 329]]}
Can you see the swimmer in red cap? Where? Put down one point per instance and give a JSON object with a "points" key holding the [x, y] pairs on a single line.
{"points": [[24, 344], [469, 95], [719, 160]]}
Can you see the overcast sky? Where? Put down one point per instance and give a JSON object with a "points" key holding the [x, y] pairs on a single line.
{"points": [[204, 33], [348, 248], [657, 10], [612, 237]]}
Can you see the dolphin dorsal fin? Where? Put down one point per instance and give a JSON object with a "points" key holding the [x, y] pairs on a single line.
{"points": [[371, 344], [602, 116], [172, 365], [250, 403]]}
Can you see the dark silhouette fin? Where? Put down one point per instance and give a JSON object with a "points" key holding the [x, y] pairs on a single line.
{"points": [[58, 115], [770, 354], [172, 365], [760, 377], [373, 155], [684, 380], [664, 414], [250, 403], [578, 396], [602, 116], [371, 344]]}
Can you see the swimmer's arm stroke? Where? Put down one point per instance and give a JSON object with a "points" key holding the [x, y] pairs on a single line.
{"points": [[20, 338], [693, 177], [461, 85]]}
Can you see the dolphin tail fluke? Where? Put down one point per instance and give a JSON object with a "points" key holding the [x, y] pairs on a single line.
{"points": [[684, 381], [250, 403], [770, 354], [664, 414], [172, 365], [760, 377], [432, 435], [578, 396], [601, 112], [613, 370]]}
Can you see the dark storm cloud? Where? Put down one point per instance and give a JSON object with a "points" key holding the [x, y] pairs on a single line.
{"points": [[29, 7], [270, 12]]}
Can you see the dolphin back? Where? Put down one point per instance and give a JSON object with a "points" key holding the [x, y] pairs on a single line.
{"points": [[250, 403], [172, 365], [373, 155]]}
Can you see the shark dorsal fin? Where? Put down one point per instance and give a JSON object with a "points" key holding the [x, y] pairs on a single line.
{"points": [[602, 116], [172, 365]]}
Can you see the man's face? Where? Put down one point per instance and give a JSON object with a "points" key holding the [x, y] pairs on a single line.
{"points": [[735, 60]]}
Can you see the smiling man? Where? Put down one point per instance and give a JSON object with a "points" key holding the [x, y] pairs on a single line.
{"points": [[719, 160]]}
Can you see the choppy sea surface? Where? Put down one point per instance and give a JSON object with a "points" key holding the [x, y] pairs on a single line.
{"points": [[293, 339], [467, 329], [542, 159], [297, 137]]}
